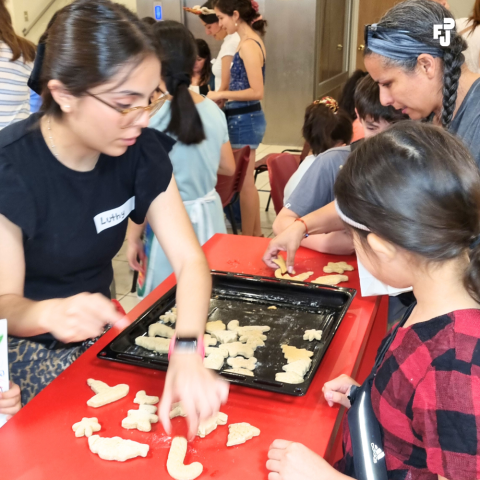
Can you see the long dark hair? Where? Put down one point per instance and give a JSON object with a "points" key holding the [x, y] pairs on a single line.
{"points": [[203, 51], [20, 47], [475, 16], [246, 11], [88, 43], [211, 17], [178, 53], [418, 187], [418, 18]]}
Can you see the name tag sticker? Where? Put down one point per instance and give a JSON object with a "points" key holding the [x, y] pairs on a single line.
{"points": [[113, 217]]}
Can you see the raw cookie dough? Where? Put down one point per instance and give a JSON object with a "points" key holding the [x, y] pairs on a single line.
{"points": [[330, 280], [288, 377], [214, 326], [338, 267], [86, 427], [139, 419], [208, 340], [292, 354], [311, 335], [253, 329], [216, 350], [143, 399], [148, 408], [241, 432], [225, 336], [240, 362], [273, 307], [105, 394], [299, 278], [214, 361], [116, 448], [155, 344], [176, 457], [280, 261], [208, 426], [160, 330], [169, 317], [253, 340], [252, 335], [177, 411], [233, 325], [300, 367], [237, 348], [240, 371]]}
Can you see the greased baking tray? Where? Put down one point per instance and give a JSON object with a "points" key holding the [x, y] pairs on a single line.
{"points": [[299, 307]]}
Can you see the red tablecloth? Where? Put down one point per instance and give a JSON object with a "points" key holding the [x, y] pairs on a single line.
{"points": [[38, 443]]}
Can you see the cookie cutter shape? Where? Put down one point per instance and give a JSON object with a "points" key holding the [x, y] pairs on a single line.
{"points": [[240, 362], [253, 330], [139, 419], [237, 348], [214, 361], [299, 278], [330, 280], [208, 426], [280, 261], [169, 317], [240, 371], [176, 457], [252, 336], [239, 433], [209, 341], [216, 350], [215, 326], [177, 411], [105, 394], [292, 354], [289, 377], [233, 325], [86, 427], [143, 399], [225, 336], [155, 344], [300, 367], [311, 335], [338, 267], [253, 341], [160, 330], [116, 448]]}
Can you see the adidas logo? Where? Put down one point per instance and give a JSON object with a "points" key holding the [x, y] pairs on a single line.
{"points": [[378, 453]]}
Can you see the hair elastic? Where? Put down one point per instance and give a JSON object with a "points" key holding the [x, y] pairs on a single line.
{"points": [[329, 102], [349, 221]]}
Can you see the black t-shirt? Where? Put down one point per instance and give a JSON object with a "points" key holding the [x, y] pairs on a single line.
{"points": [[74, 223]]}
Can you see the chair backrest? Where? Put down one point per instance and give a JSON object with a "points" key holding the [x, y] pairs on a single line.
{"points": [[227, 187], [280, 168]]}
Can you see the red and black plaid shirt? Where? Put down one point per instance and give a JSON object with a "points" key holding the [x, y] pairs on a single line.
{"points": [[426, 396]]}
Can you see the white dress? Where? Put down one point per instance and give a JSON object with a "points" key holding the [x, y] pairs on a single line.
{"points": [[472, 54], [228, 48]]}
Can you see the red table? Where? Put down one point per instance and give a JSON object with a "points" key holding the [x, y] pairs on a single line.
{"points": [[38, 443]]}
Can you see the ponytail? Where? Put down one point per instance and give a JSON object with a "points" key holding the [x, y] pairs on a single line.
{"points": [[248, 11]]}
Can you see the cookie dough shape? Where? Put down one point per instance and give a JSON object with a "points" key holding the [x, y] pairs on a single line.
{"points": [[216, 350], [338, 267], [311, 335], [253, 330], [292, 354], [253, 340], [86, 427], [330, 280], [155, 344], [160, 330], [214, 361], [176, 457], [239, 362], [299, 278], [143, 399], [280, 261], [252, 335], [208, 426], [208, 340], [177, 411], [139, 419], [233, 325], [289, 377], [215, 326], [241, 432], [225, 336], [105, 394], [116, 448], [273, 307], [169, 317], [237, 348], [300, 367], [240, 371]]}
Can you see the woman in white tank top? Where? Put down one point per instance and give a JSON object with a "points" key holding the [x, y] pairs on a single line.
{"points": [[468, 28]]}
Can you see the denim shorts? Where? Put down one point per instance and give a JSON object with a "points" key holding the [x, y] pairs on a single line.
{"points": [[246, 129]]}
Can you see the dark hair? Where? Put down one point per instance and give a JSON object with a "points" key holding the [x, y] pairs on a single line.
{"points": [[88, 43], [149, 21], [246, 11], [418, 17], [20, 47], [210, 18], [322, 128], [367, 103], [178, 53], [346, 100], [203, 51], [418, 187], [475, 16]]}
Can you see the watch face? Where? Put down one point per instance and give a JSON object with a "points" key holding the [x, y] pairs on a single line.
{"points": [[186, 344]]}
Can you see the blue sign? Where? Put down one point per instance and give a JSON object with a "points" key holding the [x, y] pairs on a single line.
{"points": [[158, 13]]}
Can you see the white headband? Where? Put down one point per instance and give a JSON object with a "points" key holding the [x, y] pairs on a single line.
{"points": [[349, 221]]}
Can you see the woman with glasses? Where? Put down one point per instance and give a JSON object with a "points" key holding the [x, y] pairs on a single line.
{"points": [[70, 178], [201, 153]]}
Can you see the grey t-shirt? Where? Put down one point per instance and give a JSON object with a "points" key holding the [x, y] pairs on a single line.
{"points": [[466, 123], [315, 189]]}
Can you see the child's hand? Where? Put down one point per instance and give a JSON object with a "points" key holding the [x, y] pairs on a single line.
{"points": [[336, 391], [10, 401], [294, 461]]}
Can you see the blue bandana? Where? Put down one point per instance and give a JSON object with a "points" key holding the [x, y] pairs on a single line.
{"points": [[397, 44]]}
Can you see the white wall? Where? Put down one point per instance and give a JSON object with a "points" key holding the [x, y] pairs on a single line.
{"points": [[461, 8]]}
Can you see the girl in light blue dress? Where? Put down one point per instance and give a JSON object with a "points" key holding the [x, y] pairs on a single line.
{"points": [[202, 152]]}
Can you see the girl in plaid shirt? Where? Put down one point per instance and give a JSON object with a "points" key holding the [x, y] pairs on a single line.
{"points": [[411, 198]]}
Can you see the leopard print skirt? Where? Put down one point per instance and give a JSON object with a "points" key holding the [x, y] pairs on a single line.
{"points": [[33, 366]]}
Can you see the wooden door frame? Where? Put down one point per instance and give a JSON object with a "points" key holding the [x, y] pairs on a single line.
{"points": [[353, 36]]}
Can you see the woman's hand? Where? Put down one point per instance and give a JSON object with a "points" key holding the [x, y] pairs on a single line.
{"points": [[215, 96], [337, 390], [10, 401], [288, 241], [136, 255], [77, 318], [294, 461], [201, 391]]}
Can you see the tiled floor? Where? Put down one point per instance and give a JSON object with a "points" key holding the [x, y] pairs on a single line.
{"points": [[123, 274]]}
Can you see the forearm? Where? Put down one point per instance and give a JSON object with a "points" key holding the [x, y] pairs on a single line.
{"points": [[323, 220], [335, 243], [284, 219], [247, 95]]}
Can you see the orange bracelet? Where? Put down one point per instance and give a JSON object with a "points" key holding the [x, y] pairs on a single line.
{"points": [[306, 228]]}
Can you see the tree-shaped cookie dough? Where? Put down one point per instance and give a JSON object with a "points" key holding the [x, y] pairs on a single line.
{"points": [[105, 394], [241, 432], [86, 427]]}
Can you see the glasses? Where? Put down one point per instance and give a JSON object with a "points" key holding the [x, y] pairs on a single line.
{"points": [[130, 116]]}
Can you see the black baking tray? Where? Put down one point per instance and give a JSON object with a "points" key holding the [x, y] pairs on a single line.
{"points": [[246, 298]]}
